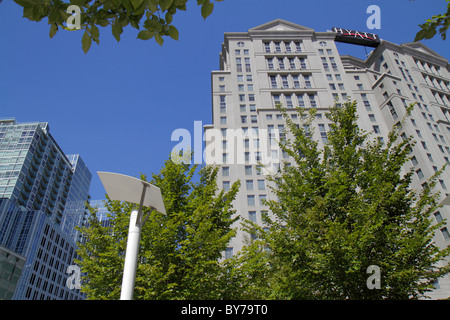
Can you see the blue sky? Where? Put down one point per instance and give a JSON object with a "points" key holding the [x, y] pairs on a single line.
{"points": [[118, 105]]}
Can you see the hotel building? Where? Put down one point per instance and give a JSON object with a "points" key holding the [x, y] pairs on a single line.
{"points": [[283, 62]]}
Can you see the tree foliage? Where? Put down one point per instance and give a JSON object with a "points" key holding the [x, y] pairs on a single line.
{"points": [[342, 209], [154, 18], [437, 23], [180, 252]]}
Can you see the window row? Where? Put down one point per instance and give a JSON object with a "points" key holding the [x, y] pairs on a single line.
{"points": [[282, 46], [251, 199], [294, 81], [332, 63], [286, 63], [428, 67], [239, 65], [437, 83], [298, 99], [441, 98]]}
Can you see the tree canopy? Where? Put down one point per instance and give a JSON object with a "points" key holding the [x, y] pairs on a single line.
{"points": [[342, 209], [154, 18], [180, 252], [438, 23]]}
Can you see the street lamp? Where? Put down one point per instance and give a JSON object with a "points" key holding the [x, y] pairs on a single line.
{"points": [[125, 188]]}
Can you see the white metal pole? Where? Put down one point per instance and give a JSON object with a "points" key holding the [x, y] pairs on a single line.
{"points": [[131, 256]]}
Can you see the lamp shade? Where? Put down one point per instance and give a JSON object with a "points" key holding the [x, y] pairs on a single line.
{"points": [[125, 188]]}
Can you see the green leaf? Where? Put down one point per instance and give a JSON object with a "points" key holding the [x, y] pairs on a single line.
{"points": [[53, 30], [173, 32], [159, 39], [25, 3], [207, 9], [169, 18], [136, 3], [79, 3], [145, 35], [117, 30], [95, 32], [165, 4], [152, 7], [86, 42]]}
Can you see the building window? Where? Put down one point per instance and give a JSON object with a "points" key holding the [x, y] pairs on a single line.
{"points": [[302, 63], [277, 47], [292, 63], [312, 100], [445, 233], [289, 101], [276, 99], [273, 81], [225, 171], [252, 216], [296, 81], [301, 102], [228, 253], [325, 64], [288, 46], [247, 65], [438, 217], [420, 174], [239, 64], [307, 81], [248, 170], [392, 110], [261, 184], [262, 199], [226, 185], [323, 133], [250, 200]]}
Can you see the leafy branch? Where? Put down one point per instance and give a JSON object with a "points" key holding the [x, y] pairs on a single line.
{"points": [[157, 14]]}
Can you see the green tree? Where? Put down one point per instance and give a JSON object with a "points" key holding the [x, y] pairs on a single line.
{"points": [[343, 208], [437, 23], [118, 14], [180, 252]]}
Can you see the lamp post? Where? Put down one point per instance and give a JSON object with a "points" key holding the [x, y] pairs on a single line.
{"points": [[125, 188]]}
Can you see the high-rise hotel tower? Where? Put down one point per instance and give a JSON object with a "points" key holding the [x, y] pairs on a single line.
{"points": [[42, 198], [283, 62]]}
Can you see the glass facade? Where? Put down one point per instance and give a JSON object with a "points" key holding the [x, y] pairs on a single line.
{"points": [[42, 198]]}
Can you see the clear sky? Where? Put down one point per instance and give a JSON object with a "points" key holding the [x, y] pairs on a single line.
{"points": [[118, 105]]}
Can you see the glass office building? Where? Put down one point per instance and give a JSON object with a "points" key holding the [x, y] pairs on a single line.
{"points": [[42, 198]]}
